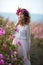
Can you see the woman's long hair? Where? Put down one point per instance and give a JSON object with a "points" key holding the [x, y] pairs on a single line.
{"points": [[25, 13]]}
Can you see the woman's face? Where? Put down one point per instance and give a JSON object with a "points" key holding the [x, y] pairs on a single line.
{"points": [[20, 16]]}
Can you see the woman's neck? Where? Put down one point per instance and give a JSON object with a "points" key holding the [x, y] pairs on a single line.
{"points": [[21, 24]]}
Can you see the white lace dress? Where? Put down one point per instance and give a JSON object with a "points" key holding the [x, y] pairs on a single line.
{"points": [[23, 35]]}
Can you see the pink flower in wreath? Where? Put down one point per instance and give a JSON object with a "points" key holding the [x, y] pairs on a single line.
{"points": [[21, 10]]}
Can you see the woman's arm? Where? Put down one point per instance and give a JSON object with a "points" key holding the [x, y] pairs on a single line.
{"points": [[16, 26], [28, 35]]}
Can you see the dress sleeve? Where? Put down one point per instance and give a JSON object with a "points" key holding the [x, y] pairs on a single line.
{"points": [[28, 35]]}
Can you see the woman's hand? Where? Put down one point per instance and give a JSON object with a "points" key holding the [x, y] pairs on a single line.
{"points": [[17, 24]]}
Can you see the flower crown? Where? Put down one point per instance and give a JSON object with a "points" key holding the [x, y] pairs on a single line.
{"points": [[22, 11]]}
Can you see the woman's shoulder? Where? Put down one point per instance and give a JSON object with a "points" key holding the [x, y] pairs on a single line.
{"points": [[27, 26], [28, 29]]}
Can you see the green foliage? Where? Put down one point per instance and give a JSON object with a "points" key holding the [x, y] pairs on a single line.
{"points": [[9, 51], [36, 51]]}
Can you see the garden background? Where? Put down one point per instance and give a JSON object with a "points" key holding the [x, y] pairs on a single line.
{"points": [[8, 19]]}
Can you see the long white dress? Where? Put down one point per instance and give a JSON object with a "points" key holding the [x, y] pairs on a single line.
{"points": [[23, 35]]}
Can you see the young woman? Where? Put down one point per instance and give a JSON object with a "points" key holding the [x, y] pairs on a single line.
{"points": [[22, 34]]}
